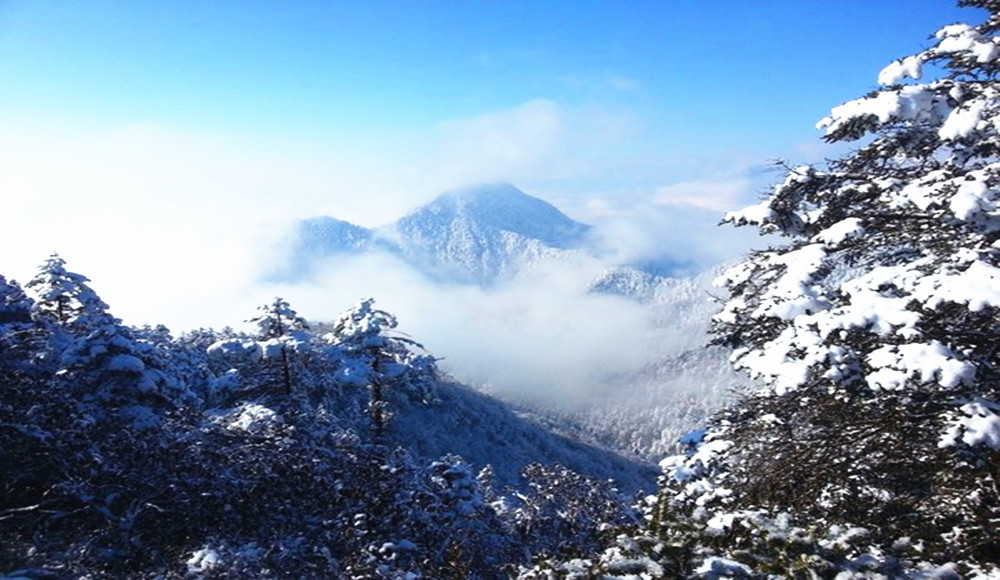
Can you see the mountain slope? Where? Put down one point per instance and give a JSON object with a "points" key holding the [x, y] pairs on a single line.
{"points": [[644, 411], [483, 234], [315, 239], [486, 431], [495, 208]]}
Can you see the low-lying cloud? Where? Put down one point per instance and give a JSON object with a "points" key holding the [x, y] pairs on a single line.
{"points": [[539, 335]]}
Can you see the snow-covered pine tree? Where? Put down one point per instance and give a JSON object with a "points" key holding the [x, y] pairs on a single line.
{"points": [[279, 328], [97, 357], [63, 297], [874, 330], [374, 356]]}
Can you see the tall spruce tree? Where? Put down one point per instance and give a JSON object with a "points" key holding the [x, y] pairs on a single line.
{"points": [[873, 331]]}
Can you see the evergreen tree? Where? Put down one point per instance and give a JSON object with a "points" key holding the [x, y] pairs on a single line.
{"points": [[279, 328], [873, 330], [97, 357], [374, 357], [63, 297]]}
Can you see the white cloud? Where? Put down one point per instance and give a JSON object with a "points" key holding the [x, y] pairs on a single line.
{"points": [[541, 335], [718, 195], [175, 226]]}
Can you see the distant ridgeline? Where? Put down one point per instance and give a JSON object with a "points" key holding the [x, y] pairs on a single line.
{"points": [[481, 235]]}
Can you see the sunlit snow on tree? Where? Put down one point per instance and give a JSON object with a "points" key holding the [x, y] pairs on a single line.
{"points": [[872, 332]]}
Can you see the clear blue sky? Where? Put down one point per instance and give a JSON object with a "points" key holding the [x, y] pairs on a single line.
{"points": [[759, 71], [186, 124]]}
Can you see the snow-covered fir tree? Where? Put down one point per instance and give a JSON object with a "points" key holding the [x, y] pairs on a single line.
{"points": [[280, 330], [873, 334], [63, 297], [376, 356], [97, 357]]}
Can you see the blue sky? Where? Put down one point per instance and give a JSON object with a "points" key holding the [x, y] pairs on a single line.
{"points": [[753, 73], [196, 129]]}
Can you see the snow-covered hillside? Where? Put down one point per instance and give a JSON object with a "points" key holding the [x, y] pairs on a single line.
{"points": [[487, 432], [317, 238], [340, 445], [644, 412]]}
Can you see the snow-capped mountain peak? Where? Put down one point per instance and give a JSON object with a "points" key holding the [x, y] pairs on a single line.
{"points": [[479, 235], [500, 207], [483, 234]]}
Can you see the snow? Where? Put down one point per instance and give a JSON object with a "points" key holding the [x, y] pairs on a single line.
{"points": [[978, 423], [769, 419], [273, 348], [972, 199], [968, 195], [693, 437], [627, 568], [933, 360], [722, 521], [793, 294], [680, 467], [782, 372], [396, 547], [880, 301], [915, 104], [354, 372], [840, 232], [126, 363], [736, 275], [978, 286], [754, 214], [963, 121], [204, 560], [959, 38], [730, 311], [871, 308], [919, 192], [235, 348], [895, 73], [251, 417], [715, 568], [954, 39]]}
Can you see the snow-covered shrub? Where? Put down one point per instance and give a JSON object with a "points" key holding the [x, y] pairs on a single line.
{"points": [[566, 514]]}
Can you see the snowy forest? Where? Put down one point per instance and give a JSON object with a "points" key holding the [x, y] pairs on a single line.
{"points": [[867, 446]]}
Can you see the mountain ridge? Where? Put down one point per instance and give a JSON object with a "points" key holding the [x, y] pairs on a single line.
{"points": [[481, 235]]}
